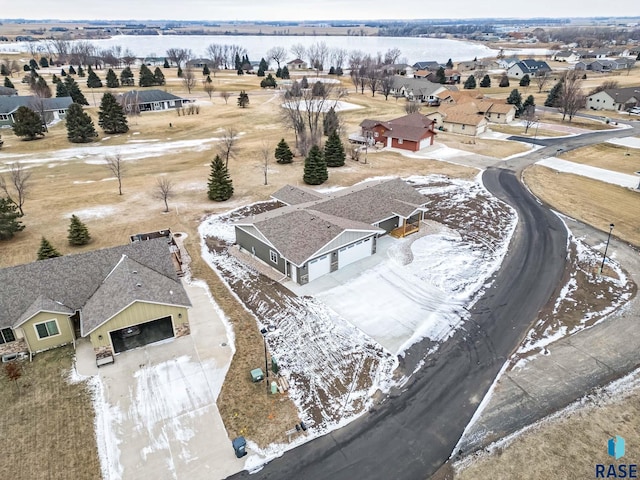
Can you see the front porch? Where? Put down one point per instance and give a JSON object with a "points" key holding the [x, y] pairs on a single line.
{"points": [[407, 228]]}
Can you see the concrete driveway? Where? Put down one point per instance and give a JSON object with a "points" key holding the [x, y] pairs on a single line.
{"points": [[156, 411]]}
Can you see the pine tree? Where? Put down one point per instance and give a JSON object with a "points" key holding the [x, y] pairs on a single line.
{"points": [[158, 77], [529, 102], [553, 99], [304, 83], [33, 65], [260, 73], [238, 62], [243, 99], [285, 73], [315, 167], [80, 128], [93, 81], [146, 78], [440, 76], [55, 80], [515, 99], [339, 72], [78, 232], [205, 70], [264, 65], [179, 71], [166, 64], [44, 63], [268, 82], [62, 90], [470, 83], [486, 81], [9, 223], [63, 73], [7, 83], [126, 77], [279, 73], [504, 81], [72, 71], [74, 91], [220, 184], [41, 88], [27, 123], [332, 71], [525, 80], [46, 250], [449, 63], [112, 79], [283, 153], [334, 151], [4, 71], [111, 117], [330, 122], [80, 71]]}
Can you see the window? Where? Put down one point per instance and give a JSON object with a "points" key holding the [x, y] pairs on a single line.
{"points": [[463, 126], [273, 256], [62, 112], [400, 141], [375, 134], [4, 117], [47, 329], [6, 336]]}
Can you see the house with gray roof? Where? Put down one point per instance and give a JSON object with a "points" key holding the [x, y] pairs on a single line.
{"points": [[315, 234], [6, 91], [618, 99], [103, 295], [53, 109], [530, 67], [417, 89], [148, 100]]}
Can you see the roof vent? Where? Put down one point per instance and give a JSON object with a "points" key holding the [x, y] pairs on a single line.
{"points": [[134, 272], [138, 284]]}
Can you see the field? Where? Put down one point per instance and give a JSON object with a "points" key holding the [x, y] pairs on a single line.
{"points": [[608, 156]]}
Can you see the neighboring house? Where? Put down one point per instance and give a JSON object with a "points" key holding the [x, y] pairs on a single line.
{"points": [[507, 62], [297, 64], [98, 294], [583, 65], [494, 111], [452, 77], [151, 100], [619, 99], [7, 92], [53, 109], [199, 62], [316, 234], [462, 119], [428, 65], [417, 89], [153, 61], [398, 69], [528, 67], [566, 56], [412, 132]]}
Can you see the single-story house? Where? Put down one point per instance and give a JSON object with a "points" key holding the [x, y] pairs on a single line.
{"points": [[104, 295], [452, 77], [398, 69], [7, 92], [412, 132], [316, 234], [417, 89], [297, 64], [53, 108], [461, 119], [528, 67], [151, 100], [494, 111], [620, 99], [199, 63], [566, 56], [429, 65]]}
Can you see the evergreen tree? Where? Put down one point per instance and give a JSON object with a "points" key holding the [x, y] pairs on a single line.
{"points": [[285, 73], [112, 79], [80, 71], [264, 65], [4, 71], [78, 232], [27, 123], [80, 128], [126, 77], [44, 63], [33, 65], [283, 153], [55, 80], [205, 70], [330, 122], [268, 82], [243, 99], [334, 151], [304, 83], [74, 91], [111, 117], [529, 102], [63, 73], [260, 73], [515, 99], [146, 78], [440, 76], [62, 90], [93, 81], [339, 72], [237, 62], [279, 73], [504, 81], [449, 63], [486, 81], [9, 215], [318, 90], [315, 167], [41, 88], [220, 184], [470, 83], [158, 77], [7, 83], [46, 250], [240, 71], [332, 71], [166, 64], [525, 80], [72, 71], [179, 71], [553, 99]]}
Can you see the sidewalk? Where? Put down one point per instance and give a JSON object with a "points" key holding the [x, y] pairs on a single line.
{"points": [[576, 364]]}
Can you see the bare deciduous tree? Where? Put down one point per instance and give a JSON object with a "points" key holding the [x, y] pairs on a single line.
{"points": [[163, 191], [541, 80], [529, 117], [225, 96], [179, 55], [338, 56], [227, 144], [208, 87], [318, 53], [17, 187], [355, 66], [266, 152], [571, 97], [277, 54], [412, 107], [391, 56], [298, 50], [116, 166], [62, 47], [386, 84], [188, 78]]}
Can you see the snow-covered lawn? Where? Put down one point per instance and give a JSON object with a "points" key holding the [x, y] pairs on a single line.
{"points": [[601, 174], [338, 106]]}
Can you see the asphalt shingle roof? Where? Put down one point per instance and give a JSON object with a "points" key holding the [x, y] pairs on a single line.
{"points": [[291, 195], [12, 103], [150, 96]]}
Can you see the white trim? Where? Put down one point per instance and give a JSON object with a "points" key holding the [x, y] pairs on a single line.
{"points": [[39, 312], [273, 256], [317, 252], [44, 323]]}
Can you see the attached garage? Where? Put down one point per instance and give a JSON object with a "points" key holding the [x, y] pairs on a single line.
{"points": [[319, 266], [354, 252], [142, 334]]}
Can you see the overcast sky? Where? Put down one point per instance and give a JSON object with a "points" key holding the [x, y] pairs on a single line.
{"points": [[245, 10]]}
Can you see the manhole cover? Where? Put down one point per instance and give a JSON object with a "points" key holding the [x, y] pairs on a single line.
{"points": [[223, 344]]}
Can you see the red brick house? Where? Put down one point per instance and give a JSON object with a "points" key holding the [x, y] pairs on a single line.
{"points": [[411, 132]]}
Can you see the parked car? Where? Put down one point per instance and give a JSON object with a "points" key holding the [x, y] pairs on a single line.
{"points": [[129, 332], [635, 111]]}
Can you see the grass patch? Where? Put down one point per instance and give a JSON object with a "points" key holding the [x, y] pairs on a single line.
{"points": [[532, 132], [48, 427], [482, 146], [608, 156]]}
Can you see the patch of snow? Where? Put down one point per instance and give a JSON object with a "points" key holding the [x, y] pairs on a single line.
{"points": [[93, 212], [338, 106], [82, 182], [601, 174]]}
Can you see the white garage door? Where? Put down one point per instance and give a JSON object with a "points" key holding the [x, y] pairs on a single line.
{"points": [[319, 266], [354, 252], [425, 142]]}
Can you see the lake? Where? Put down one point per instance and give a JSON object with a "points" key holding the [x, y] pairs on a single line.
{"points": [[413, 49]]}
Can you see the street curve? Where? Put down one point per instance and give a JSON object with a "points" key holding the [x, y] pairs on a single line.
{"points": [[413, 432]]}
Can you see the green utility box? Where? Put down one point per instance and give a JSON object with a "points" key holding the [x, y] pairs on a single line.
{"points": [[257, 375]]}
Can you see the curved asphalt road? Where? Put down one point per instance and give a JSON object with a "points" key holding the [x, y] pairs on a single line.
{"points": [[413, 432]]}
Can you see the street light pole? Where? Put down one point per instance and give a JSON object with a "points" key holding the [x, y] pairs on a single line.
{"points": [[266, 363], [604, 256]]}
